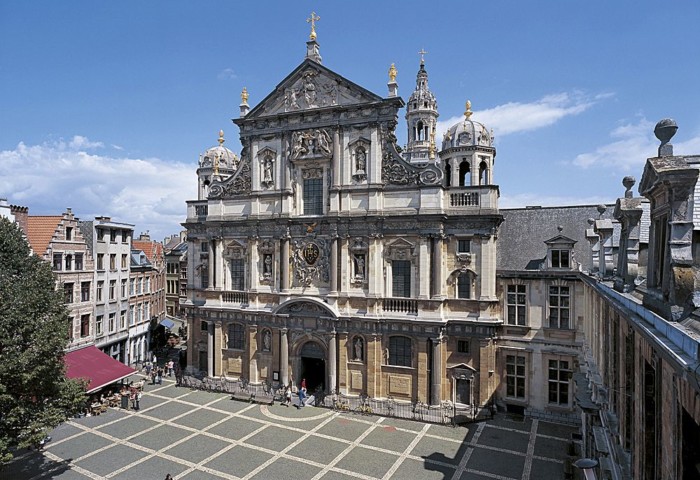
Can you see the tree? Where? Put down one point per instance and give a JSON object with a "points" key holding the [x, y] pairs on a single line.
{"points": [[35, 395]]}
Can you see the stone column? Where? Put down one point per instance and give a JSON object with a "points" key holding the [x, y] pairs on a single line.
{"points": [[424, 287], [604, 229], [628, 211], [253, 275], [211, 263], [334, 266], [219, 282], [436, 268], [210, 348], [336, 157], [436, 372], [284, 357], [284, 265], [342, 382], [332, 362], [253, 354]]}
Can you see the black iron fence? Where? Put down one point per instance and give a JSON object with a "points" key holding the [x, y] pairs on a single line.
{"points": [[240, 389]]}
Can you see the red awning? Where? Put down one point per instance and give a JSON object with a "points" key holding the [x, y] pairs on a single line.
{"points": [[97, 367]]}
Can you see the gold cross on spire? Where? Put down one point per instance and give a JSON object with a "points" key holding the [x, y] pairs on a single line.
{"points": [[422, 52], [312, 20]]}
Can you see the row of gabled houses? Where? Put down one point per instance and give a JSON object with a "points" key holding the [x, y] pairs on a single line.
{"points": [[114, 285]]}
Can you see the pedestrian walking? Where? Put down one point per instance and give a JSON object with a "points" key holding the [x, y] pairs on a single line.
{"points": [[168, 477], [287, 396], [138, 400], [148, 368], [159, 376], [302, 393], [170, 365]]}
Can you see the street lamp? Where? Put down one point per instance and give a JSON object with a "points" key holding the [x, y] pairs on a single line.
{"points": [[588, 466]]}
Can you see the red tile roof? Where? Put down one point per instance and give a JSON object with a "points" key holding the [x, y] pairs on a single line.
{"points": [[40, 231], [150, 248]]}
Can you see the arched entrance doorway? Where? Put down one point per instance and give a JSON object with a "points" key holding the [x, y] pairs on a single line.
{"points": [[313, 366]]}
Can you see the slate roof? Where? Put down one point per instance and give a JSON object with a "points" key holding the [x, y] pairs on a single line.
{"points": [[86, 228], [523, 232], [40, 231]]}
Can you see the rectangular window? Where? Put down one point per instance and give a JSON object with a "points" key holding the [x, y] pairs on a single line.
{"points": [[203, 327], [69, 262], [125, 236], [112, 321], [401, 278], [100, 235], [560, 259], [515, 376], [69, 233], [124, 257], [123, 295], [236, 336], [139, 285], [400, 351], [132, 314], [122, 320], [204, 247], [464, 246], [68, 292], [78, 261], [57, 261], [204, 276], [131, 286], [85, 325], [100, 261], [112, 261], [100, 287], [85, 292], [98, 324], [464, 285], [112, 289], [147, 289], [146, 310], [516, 304], [313, 196], [462, 346], [559, 307], [237, 274], [112, 235], [558, 381]]}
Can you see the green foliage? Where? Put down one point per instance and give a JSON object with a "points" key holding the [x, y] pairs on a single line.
{"points": [[35, 395]]}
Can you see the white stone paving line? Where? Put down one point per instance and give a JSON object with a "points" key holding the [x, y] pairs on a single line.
{"points": [[406, 452], [73, 467], [350, 447], [530, 450], [462, 467]]}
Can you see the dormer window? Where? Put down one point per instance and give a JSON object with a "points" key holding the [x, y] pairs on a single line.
{"points": [[560, 258]]}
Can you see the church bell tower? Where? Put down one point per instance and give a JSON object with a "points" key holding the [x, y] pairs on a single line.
{"points": [[421, 118]]}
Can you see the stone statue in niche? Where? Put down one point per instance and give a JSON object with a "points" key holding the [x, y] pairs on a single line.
{"points": [[267, 266], [360, 160], [360, 267], [267, 171], [358, 349], [267, 341]]}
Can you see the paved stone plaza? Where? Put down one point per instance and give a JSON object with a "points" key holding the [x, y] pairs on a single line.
{"points": [[198, 435]]}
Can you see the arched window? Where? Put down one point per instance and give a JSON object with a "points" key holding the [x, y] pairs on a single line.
{"points": [[465, 177], [448, 175], [464, 285], [483, 174], [400, 351], [236, 336], [419, 132]]}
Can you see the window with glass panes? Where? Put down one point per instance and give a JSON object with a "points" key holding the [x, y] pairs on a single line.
{"points": [[558, 382], [204, 277], [57, 261], [400, 351], [401, 278], [100, 261], [236, 337], [85, 325], [112, 289], [124, 257], [122, 319], [98, 324], [85, 292], [462, 346], [464, 246], [69, 262], [68, 292], [112, 261], [100, 287], [560, 258], [313, 196], [112, 321], [78, 261], [515, 376], [559, 307], [516, 304], [237, 274], [123, 295], [464, 285]]}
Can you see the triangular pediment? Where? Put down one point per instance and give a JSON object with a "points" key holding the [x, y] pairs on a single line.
{"points": [[311, 86], [560, 240]]}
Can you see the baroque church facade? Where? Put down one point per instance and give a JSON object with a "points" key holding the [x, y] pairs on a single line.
{"points": [[326, 252]]}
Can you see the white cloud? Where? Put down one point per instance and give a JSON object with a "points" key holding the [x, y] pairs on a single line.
{"points": [[227, 74], [52, 176], [633, 143], [514, 117]]}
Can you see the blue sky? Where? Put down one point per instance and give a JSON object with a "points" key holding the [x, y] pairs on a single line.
{"points": [[106, 106]]}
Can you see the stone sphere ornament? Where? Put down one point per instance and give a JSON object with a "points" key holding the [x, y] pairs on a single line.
{"points": [[665, 130]]}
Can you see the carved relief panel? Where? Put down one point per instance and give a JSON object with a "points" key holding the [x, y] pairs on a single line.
{"points": [[310, 262]]}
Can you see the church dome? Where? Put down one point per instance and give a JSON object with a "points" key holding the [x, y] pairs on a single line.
{"points": [[226, 158], [467, 133]]}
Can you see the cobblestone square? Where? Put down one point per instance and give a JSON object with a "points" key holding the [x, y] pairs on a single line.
{"points": [[195, 435]]}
